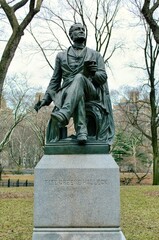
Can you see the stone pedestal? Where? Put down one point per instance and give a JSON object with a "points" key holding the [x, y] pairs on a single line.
{"points": [[77, 197]]}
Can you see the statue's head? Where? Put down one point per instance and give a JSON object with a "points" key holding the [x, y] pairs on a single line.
{"points": [[77, 33]]}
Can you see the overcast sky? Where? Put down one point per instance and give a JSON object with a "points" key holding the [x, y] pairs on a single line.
{"points": [[39, 73]]}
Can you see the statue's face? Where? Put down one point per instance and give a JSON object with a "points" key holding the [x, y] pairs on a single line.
{"points": [[78, 33]]}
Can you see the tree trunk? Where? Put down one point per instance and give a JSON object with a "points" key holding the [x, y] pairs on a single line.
{"points": [[149, 16], [155, 154], [8, 55], [155, 148], [156, 170]]}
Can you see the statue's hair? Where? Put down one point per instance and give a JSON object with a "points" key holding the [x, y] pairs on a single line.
{"points": [[71, 29]]}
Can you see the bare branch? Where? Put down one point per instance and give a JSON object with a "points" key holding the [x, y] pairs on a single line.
{"points": [[9, 11], [19, 5], [42, 50]]}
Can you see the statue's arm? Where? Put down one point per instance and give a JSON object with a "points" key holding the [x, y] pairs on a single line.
{"points": [[53, 86], [100, 76]]}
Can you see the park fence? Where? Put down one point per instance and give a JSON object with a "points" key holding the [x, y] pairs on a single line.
{"points": [[16, 183]]}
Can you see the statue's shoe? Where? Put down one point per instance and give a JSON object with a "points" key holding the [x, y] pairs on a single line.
{"points": [[82, 139]]}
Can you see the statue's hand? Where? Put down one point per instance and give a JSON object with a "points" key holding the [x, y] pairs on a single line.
{"points": [[39, 105], [90, 67]]}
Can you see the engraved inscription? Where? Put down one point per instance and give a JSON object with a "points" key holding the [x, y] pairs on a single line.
{"points": [[75, 182]]}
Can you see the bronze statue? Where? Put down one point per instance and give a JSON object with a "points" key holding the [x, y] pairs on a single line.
{"points": [[79, 89]]}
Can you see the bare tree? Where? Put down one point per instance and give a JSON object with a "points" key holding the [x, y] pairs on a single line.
{"points": [[142, 110], [100, 22], [38, 122], [131, 147], [104, 22], [10, 8], [17, 96], [148, 107], [24, 149]]}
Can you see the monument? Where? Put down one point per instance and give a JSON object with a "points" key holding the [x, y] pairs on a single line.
{"points": [[77, 193]]}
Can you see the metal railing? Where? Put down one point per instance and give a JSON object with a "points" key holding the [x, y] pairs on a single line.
{"points": [[16, 183]]}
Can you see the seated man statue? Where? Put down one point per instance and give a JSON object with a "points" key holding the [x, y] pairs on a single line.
{"points": [[79, 78]]}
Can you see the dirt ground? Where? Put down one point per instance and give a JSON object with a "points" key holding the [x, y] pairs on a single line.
{"points": [[125, 178], [22, 177], [131, 179]]}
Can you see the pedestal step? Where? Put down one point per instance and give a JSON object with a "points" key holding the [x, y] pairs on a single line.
{"points": [[78, 234]]}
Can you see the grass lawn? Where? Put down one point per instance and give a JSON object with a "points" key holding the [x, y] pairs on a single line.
{"points": [[139, 213], [16, 213]]}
